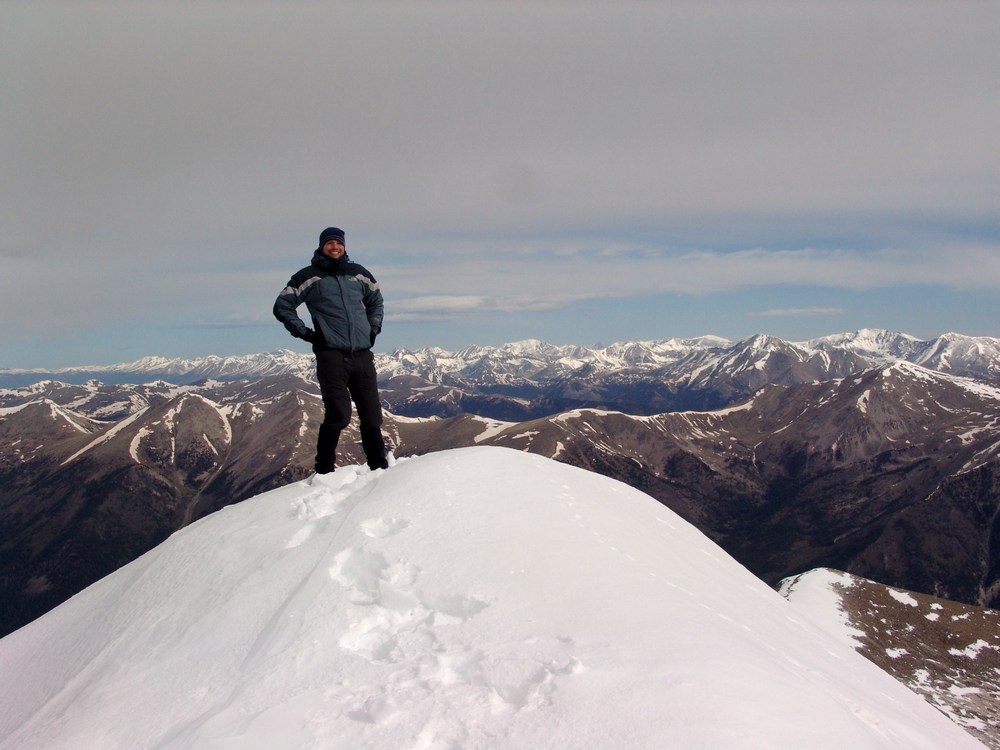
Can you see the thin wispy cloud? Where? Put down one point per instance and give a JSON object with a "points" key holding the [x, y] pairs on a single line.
{"points": [[547, 280], [799, 312], [232, 322]]}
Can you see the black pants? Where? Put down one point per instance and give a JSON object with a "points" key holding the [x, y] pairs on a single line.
{"points": [[345, 377]]}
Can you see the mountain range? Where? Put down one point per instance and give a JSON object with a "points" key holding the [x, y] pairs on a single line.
{"points": [[531, 378], [872, 453]]}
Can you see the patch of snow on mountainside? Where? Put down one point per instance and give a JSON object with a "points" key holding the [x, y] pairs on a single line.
{"points": [[923, 373], [493, 427], [107, 436], [945, 651]]}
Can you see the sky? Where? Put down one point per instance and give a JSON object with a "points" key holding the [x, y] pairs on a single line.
{"points": [[577, 172], [332, 613]]}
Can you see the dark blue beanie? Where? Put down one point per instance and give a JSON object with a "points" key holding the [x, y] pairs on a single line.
{"points": [[331, 233]]}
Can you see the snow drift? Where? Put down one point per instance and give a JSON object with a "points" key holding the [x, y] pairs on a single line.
{"points": [[475, 598]]}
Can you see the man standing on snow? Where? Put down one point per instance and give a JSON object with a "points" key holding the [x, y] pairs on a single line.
{"points": [[345, 303]]}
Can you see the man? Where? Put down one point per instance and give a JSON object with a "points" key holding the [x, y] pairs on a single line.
{"points": [[345, 303]]}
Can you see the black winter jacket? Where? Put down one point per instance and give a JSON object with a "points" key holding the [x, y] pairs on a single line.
{"points": [[343, 299]]}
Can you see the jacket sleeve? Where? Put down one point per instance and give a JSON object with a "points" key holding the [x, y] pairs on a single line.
{"points": [[373, 303], [286, 308]]}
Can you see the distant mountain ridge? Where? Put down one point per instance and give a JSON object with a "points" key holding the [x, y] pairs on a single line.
{"points": [[951, 352], [529, 379]]}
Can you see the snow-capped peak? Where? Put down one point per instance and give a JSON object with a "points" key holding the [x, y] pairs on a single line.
{"points": [[674, 359], [875, 343]]}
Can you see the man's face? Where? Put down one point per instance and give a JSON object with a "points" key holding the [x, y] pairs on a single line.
{"points": [[333, 249]]}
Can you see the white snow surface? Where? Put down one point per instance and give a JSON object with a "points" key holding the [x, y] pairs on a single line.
{"points": [[814, 595], [474, 598]]}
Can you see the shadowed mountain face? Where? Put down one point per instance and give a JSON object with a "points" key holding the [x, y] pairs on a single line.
{"points": [[890, 473], [82, 497]]}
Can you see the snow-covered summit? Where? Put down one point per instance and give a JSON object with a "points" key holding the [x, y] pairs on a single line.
{"points": [[672, 360], [475, 598], [873, 343]]}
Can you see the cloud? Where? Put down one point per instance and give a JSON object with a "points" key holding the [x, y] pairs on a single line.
{"points": [[551, 277], [435, 307], [443, 116], [799, 311], [175, 161], [442, 307], [233, 322]]}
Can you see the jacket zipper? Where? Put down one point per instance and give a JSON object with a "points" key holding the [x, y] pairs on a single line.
{"points": [[347, 313]]}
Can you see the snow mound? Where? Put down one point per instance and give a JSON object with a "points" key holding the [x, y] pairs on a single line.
{"points": [[475, 598]]}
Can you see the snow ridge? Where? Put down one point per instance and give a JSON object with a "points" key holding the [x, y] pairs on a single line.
{"points": [[475, 598], [684, 358]]}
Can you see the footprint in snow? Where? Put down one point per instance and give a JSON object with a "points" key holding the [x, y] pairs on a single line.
{"points": [[301, 536], [360, 573], [379, 528], [317, 504]]}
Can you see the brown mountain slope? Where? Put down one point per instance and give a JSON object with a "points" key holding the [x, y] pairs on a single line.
{"points": [[946, 651]]}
